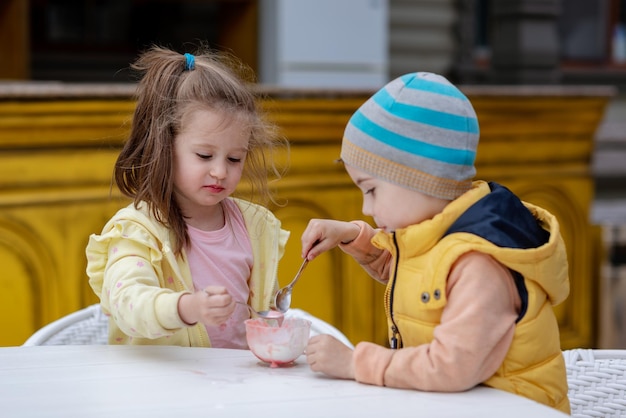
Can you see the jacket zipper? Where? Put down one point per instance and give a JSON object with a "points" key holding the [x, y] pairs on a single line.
{"points": [[396, 339]]}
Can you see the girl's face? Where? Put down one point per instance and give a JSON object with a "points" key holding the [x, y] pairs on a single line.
{"points": [[392, 206], [209, 155]]}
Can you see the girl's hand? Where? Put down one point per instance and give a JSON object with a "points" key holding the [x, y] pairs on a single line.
{"points": [[328, 355], [325, 234], [211, 306]]}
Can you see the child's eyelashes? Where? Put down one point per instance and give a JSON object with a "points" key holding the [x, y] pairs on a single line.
{"points": [[210, 156], [370, 191]]}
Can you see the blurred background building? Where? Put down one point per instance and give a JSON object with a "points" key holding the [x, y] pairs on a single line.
{"points": [[355, 44], [347, 43]]}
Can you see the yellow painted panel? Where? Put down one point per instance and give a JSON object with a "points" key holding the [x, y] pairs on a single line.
{"points": [[543, 152], [17, 312], [23, 168]]}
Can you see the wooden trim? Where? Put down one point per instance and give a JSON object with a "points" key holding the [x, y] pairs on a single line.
{"points": [[14, 47]]}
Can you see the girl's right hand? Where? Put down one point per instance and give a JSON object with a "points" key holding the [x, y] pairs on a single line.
{"points": [[211, 306], [325, 234]]}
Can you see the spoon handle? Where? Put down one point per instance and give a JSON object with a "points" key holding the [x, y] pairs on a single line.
{"points": [[250, 308], [298, 274]]}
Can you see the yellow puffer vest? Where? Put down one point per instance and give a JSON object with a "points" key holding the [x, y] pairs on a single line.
{"points": [[415, 296]]}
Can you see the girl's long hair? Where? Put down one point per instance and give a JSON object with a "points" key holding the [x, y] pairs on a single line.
{"points": [[167, 90]]}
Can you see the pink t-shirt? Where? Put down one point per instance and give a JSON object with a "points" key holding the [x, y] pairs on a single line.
{"points": [[224, 258]]}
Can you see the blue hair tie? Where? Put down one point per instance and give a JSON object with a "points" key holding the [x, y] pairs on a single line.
{"points": [[190, 62]]}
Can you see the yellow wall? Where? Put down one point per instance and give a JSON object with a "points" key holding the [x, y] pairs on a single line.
{"points": [[57, 152]]}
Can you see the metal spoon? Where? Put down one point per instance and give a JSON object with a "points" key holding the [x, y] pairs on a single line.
{"points": [[282, 300], [271, 314]]}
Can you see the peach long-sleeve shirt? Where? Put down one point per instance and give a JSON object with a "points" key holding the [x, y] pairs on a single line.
{"points": [[470, 343]]}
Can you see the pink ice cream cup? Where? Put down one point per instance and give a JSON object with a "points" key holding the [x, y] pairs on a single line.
{"points": [[277, 345]]}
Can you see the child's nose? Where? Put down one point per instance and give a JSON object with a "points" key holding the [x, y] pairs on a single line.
{"points": [[218, 170], [366, 209]]}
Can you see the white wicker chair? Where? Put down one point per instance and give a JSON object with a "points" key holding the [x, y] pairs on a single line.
{"points": [[597, 382], [90, 326], [84, 327], [319, 326]]}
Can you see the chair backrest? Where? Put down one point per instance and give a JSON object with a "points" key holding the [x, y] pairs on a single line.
{"points": [[597, 382], [91, 326], [84, 327], [319, 326]]}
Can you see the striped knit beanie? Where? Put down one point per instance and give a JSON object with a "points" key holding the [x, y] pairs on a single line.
{"points": [[419, 132]]}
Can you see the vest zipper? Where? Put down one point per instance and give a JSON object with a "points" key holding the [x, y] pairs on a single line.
{"points": [[395, 340]]}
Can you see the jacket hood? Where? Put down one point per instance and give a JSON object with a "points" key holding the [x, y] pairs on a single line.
{"points": [[502, 219], [529, 235]]}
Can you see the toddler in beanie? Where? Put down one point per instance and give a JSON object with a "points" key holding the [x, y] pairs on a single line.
{"points": [[471, 271], [419, 132]]}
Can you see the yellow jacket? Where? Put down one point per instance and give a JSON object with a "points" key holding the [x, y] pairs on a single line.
{"points": [[425, 253], [146, 312]]}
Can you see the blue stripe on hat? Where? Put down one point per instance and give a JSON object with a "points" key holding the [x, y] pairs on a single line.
{"points": [[413, 81], [426, 116], [411, 145]]}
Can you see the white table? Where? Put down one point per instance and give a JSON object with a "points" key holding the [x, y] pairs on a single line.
{"points": [[155, 381]]}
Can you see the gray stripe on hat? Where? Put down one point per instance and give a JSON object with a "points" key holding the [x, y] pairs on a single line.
{"points": [[445, 103]]}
